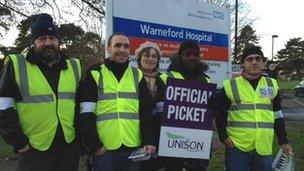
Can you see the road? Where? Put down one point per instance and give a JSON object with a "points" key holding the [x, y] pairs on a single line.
{"points": [[293, 107]]}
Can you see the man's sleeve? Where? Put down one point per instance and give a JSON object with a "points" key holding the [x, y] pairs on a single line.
{"points": [[147, 127], [86, 119], [279, 122], [222, 114], [10, 128]]}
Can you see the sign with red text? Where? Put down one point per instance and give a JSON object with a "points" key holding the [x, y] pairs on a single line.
{"points": [[168, 23]]}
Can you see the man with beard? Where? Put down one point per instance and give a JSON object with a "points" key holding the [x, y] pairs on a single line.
{"points": [[249, 115], [37, 102], [115, 100], [186, 66]]}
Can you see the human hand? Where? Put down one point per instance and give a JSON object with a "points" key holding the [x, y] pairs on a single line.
{"points": [[287, 149], [150, 149], [25, 148], [228, 143], [100, 151]]}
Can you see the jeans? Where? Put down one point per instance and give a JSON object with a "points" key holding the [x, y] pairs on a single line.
{"points": [[237, 160], [115, 160]]}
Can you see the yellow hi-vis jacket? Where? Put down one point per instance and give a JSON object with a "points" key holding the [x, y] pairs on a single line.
{"points": [[40, 111], [117, 108], [177, 75], [251, 117]]}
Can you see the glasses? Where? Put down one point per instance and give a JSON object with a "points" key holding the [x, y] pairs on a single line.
{"points": [[119, 45], [154, 56], [256, 58]]}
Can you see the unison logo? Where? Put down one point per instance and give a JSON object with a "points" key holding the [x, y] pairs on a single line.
{"points": [[181, 142]]}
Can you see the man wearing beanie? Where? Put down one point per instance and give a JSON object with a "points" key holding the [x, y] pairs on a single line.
{"points": [[37, 102], [186, 65], [249, 115]]}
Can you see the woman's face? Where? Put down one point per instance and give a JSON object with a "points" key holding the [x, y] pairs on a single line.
{"points": [[149, 60]]}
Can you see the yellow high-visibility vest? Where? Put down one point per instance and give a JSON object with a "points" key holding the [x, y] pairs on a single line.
{"points": [[117, 108], [177, 75], [251, 117], [40, 111]]}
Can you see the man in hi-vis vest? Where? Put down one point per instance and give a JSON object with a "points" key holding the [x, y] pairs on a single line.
{"points": [[249, 115], [119, 97], [37, 102]]}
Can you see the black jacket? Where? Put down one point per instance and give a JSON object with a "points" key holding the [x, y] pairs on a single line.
{"points": [[10, 128], [88, 93], [222, 114]]}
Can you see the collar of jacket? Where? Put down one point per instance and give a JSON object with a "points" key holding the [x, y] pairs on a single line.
{"points": [[34, 58], [116, 67]]}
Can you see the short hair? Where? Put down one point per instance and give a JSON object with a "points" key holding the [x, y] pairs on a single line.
{"points": [[115, 34]]}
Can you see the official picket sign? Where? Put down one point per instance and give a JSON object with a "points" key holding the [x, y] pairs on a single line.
{"points": [[186, 129]]}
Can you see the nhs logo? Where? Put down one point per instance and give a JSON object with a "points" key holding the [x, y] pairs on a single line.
{"points": [[218, 15]]}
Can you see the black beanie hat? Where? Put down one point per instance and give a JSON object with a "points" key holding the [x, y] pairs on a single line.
{"points": [[249, 50], [43, 25], [186, 45]]}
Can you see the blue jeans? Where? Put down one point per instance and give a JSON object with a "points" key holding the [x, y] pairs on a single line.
{"points": [[116, 160], [237, 160]]}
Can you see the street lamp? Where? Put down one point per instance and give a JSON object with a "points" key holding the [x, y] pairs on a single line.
{"points": [[273, 36]]}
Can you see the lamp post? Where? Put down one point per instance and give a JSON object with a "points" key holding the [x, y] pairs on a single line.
{"points": [[236, 29], [273, 36]]}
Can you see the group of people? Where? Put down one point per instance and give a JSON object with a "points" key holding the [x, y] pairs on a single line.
{"points": [[48, 106]]}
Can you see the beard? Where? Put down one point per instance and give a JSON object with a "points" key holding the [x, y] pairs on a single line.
{"points": [[48, 53], [190, 65]]}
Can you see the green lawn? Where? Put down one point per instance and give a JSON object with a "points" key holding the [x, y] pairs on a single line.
{"points": [[288, 85], [6, 151]]}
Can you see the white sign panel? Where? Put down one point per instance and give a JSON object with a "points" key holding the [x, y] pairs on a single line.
{"points": [[185, 142], [168, 23]]}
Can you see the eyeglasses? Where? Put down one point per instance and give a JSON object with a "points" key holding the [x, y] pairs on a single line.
{"points": [[146, 55], [119, 45], [256, 58]]}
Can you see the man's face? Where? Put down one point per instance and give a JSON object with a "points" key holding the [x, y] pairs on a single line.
{"points": [[190, 59], [47, 46], [253, 64], [119, 49]]}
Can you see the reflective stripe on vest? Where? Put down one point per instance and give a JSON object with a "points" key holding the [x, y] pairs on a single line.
{"points": [[251, 124], [24, 84], [109, 116]]}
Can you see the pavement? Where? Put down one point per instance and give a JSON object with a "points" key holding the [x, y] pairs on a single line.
{"points": [[293, 107]]}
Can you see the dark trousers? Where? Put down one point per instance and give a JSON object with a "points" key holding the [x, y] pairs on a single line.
{"points": [[236, 159], [64, 157], [115, 160]]}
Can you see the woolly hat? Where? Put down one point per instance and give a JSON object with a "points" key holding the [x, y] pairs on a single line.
{"points": [[145, 45], [187, 45], [43, 25], [251, 50]]}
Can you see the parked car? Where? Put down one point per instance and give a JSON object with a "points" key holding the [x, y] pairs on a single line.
{"points": [[299, 89]]}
